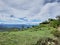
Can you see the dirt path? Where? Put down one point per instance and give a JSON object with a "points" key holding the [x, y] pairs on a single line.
{"points": [[58, 28]]}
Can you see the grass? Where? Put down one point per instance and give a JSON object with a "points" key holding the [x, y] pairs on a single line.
{"points": [[23, 37]]}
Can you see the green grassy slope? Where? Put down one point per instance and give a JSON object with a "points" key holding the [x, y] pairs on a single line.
{"points": [[27, 37], [37, 35]]}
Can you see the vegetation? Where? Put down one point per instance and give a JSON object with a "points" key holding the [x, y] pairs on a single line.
{"points": [[46, 33]]}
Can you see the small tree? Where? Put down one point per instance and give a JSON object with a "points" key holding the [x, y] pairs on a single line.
{"points": [[49, 20], [58, 19], [33, 26], [45, 22], [54, 23]]}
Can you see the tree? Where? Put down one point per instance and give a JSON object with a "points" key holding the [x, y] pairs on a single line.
{"points": [[58, 19], [28, 27], [45, 22], [33, 26], [54, 23], [50, 19]]}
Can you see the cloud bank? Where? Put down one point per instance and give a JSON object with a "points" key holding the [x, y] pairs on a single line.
{"points": [[28, 11]]}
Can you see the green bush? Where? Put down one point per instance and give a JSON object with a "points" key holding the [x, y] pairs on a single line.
{"points": [[56, 33], [47, 41]]}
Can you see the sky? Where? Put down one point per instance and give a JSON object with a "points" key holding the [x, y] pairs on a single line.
{"points": [[28, 11]]}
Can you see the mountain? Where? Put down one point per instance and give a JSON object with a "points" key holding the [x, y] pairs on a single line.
{"points": [[14, 26]]}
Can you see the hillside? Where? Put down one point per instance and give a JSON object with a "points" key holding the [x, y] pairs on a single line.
{"points": [[29, 36], [46, 33]]}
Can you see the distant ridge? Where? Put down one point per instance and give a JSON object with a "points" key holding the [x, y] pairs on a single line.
{"points": [[14, 25]]}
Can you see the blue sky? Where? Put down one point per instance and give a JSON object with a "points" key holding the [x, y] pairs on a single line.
{"points": [[28, 11]]}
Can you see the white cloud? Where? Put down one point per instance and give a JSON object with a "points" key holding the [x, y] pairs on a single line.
{"points": [[27, 9], [50, 10]]}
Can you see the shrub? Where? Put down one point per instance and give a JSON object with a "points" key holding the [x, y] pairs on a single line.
{"points": [[47, 41], [56, 33]]}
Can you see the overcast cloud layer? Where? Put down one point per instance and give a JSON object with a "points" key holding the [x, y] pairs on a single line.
{"points": [[28, 11]]}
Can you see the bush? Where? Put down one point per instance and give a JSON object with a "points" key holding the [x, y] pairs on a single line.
{"points": [[56, 33], [47, 41]]}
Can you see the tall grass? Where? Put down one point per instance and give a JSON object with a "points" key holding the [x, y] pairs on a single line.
{"points": [[23, 37]]}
